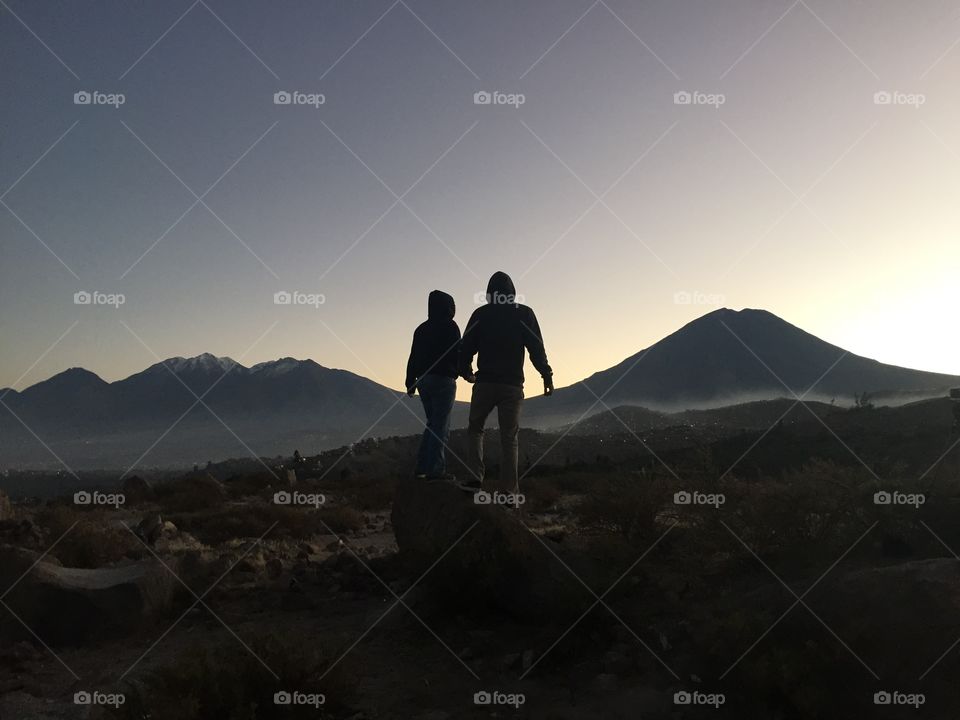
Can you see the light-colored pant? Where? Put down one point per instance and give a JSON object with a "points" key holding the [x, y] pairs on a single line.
{"points": [[507, 399]]}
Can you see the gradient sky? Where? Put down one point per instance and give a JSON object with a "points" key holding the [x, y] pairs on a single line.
{"points": [[601, 196]]}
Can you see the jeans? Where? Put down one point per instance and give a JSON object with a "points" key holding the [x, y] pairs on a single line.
{"points": [[507, 399], [437, 394]]}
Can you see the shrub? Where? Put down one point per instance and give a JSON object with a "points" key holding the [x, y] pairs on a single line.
{"points": [[92, 542], [342, 518], [227, 682], [194, 492], [625, 504], [250, 521]]}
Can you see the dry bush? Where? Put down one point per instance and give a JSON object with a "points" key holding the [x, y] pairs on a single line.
{"points": [[342, 519], [194, 492], [626, 504], [806, 518], [541, 494], [250, 521], [255, 519], [367, 493], [252, 484], [224, 683], [92, 542]]}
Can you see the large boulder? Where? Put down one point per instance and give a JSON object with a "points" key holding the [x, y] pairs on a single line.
{"points": [[495, 559], [70, 605]]}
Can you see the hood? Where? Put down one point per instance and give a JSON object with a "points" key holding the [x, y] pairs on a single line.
{"points": [[500, 289], [440, 305]]}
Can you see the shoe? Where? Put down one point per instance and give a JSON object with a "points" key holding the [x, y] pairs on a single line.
{"points": [[443, 477], [471, 485]]}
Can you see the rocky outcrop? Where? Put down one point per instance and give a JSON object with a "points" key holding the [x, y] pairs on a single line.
{"points": [[495, 559], [70, 605]]}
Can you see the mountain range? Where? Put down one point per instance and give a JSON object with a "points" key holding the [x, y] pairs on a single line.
{"points": [[185, 410]]}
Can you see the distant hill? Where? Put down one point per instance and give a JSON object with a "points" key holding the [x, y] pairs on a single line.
{"points": [[729, 357], [713, 422], [269, 408], [153, 418]]}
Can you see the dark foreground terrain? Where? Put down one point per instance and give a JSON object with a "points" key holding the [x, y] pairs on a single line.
{"points": [[773, 561]]}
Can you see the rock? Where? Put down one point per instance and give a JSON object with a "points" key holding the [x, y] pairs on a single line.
{"points": [[150, 528], [488, 556], [6, 507], [135, 490], [527, 659], [71, 605], [509, 661], [274, 568], [251, 563], [22, 533]]}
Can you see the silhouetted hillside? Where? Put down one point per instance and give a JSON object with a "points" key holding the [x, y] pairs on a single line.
{"points": [[187, 410], [728, 357]]}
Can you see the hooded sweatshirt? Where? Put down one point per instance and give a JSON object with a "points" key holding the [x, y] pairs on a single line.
{"points": [[498, 333], [435, 342]]}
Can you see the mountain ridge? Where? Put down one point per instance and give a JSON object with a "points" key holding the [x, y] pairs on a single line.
{"points": [[211, 406]]}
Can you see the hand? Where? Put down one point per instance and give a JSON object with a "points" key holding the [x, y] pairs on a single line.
{"points": [[548, 386]]}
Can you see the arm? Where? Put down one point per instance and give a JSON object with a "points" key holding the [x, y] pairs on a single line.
{"points": [[533, 340], [411, 380], [468, 348]]}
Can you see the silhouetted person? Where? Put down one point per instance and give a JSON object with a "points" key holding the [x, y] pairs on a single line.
{"points": [[432, 369], [498, 334]]}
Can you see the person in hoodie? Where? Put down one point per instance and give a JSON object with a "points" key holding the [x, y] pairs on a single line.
{"points": [[432, 369], [499, 333]]}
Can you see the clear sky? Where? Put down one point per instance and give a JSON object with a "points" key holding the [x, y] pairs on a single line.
{"points": [[785, 184]]}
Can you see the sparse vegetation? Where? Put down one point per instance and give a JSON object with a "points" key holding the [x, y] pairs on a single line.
{"points": [[88, 538], [697, 584], [224, 683]]}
